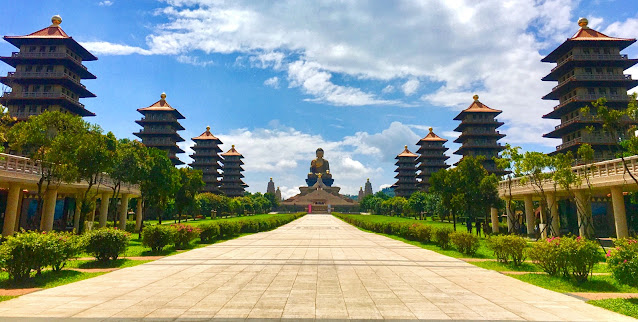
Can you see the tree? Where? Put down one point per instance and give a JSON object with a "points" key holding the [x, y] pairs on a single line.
{"points": [[434, 205], [537, 169], [190, 181], [159, 182], [6, 121], [274, 203], [418, 202], [510, 160], [127, 167], [47, 139]]}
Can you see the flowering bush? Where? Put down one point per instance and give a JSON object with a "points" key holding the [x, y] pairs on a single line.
{"points": [[106, 243], [183, 235], [63, 246], [465, 242], [208, 232], [508, 248], [442, 237], [623, 261], [157, 237], [566, 256]]}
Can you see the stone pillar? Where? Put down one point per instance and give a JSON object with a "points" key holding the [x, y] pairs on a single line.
{"points": [[510, 216], [104, 208], [91, 217], [530, 219], [76, 215], [48, 209], [583, 211], [494, 214], [620, 217], [11, 212], [19, 213], [138, 214], [123, 209], [553, 206]]}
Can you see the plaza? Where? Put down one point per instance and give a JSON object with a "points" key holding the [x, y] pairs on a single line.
{"points": [[316, 267]]}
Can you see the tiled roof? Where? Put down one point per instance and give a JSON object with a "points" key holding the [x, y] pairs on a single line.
{"points": [[591, 34], [477, 107], [53, 31], [407, 153], [161, 105], [232, 152], [433, 137], [206, 135]]}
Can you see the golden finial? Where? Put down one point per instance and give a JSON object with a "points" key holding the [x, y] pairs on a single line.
{"points": [[583, 22], [475, 97], [430, 130], [328, 171], [406, 147], [56, 20], [233, 146], [318, 175], [270, 178], [368, 179], [208, 129], [163, 96]]}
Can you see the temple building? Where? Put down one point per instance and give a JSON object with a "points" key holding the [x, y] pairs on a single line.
{"points": [[367, 190], [48, 73], [159, 128], [406, 174], [278, 194], [479, 135], [431, 158], [232, 185], [589, 66], [206, 159], [271, 187], [361, 195]]}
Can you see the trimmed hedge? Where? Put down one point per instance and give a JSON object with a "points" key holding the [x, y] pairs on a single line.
{"points": [[106, 243]]}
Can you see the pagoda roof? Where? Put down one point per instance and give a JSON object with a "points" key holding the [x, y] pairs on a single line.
{"points": [[406, 153], [477, 107], [232, 152], [586, 34], [432, 137], [162, 105], [53, 32], [207, 136]]}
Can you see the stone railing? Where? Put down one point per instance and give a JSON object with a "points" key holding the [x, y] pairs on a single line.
{"points": [[607, 172], [593, 97], [590, 57], [43, 75], [42, 95], [587, 77], [47, 55]]}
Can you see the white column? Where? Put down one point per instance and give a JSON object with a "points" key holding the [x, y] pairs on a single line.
{"points": [[494, 214], [620, 216], [104, 208], [529, 214], [10, 213], [583, 212], [48, 209], [123, 209], [91, 217], [138, 214]]}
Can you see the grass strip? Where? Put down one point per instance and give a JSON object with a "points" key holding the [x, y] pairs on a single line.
{"points": [[627, 307]]}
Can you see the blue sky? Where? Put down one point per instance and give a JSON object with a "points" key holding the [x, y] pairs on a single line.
{"points": [[359, 79]]}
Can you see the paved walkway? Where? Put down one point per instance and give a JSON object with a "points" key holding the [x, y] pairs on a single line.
{"points": [[315, 267]]}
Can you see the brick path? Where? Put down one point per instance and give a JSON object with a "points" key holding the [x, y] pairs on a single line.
{"points": [[315, 267]]}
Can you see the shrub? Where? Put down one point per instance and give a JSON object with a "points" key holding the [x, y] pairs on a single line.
{"points": [[19, 255], [423, 233], [251, 226], [106, 243], [130, 226], [157, 237], [583, 255], [566, 256], [623, 261], [208, 232], [508, 248], [465, 242], [183, 235], [63, 246], [442, 237], [229, 228], [549, 256]]}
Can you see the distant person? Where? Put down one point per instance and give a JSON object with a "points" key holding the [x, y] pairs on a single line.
{"points": [[477, 225], [487, 230], [468, 224]]}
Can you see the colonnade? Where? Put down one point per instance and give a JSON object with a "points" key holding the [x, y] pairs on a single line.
{"points": [[16, 195]]}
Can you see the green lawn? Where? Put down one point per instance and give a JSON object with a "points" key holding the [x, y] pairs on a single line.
{"points": [[47, 279], [527, 267], [6, 297], [208, 220], [119, 263], [603, 284], [627, 307]]}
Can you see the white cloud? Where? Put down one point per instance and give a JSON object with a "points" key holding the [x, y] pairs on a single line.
{"points": [[105, 3], [107, 48], [195, 61], [410, 87], [388, 89], [272, 82]]}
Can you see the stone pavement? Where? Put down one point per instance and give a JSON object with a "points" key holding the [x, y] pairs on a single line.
{"points": [[315, 267]]}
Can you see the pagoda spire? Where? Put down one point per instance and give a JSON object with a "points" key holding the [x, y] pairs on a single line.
{"points": [[48, 73], [406, 174], [271, 187], [431, 158], [206, 159], [232, 185], [278, 194], [361, 194], [368, 188]]}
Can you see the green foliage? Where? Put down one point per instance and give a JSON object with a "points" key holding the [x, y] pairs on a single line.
{"points": [[623, 261], [423, 233], [183, 235], [627, 307], [465, 242], [395, 206], [212, 205], [190, 181], [208, 232], [229, 228], [566, 256], [157, 237], [106, 243], [508, 248], [442, 237], [159, 181]]}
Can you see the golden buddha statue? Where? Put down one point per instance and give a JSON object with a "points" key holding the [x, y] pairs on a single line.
{"points": [[319, 168]]}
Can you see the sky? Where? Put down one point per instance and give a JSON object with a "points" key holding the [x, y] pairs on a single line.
{"points": [[359, 79]]}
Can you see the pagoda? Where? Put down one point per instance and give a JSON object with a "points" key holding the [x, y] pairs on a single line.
{"points": [[589, 66], [479, 135], [159, 128], [367, 190], [431, 158], [206, 158], [271, 187], [48, 73], [232, 185], [361, 195], [406, 174], [278, 195]]}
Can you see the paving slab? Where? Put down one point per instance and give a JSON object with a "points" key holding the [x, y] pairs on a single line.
{"points": [[317, 267]]}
